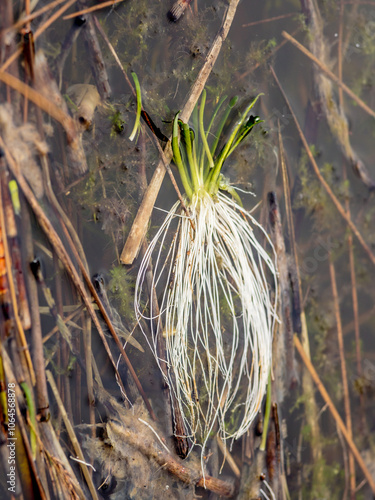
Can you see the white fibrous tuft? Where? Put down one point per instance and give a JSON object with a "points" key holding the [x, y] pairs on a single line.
{"points": [[216, 314]]}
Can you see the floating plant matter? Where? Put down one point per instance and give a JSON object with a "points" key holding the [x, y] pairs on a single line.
{"points": [[216, 313]]}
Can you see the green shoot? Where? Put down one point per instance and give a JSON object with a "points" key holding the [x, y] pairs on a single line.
{"points": [[137, 125]]}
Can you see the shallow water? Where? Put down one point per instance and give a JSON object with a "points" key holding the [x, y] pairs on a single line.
{"points": [[102, 205]]}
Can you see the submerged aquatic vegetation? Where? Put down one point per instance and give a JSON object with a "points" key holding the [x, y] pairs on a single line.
{"points": [[216, 314]]}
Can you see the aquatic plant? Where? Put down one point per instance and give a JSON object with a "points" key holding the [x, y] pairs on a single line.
{"points": [[216, 313]]}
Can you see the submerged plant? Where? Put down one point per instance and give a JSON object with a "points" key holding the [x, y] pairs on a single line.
{"points": [[216, 315]]}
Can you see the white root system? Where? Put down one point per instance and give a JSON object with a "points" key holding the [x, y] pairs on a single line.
{"points": [[216, 314]]}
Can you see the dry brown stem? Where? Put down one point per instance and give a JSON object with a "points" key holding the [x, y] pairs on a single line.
{"points": [[38, 32], [92, 9], [139, 227], [12, 288], [58, 247], [72, 436], [330, 75], [42, 102], [344, 375], [42, 403], [26, 19], [186, 473], [325, 185], [334, 413]]}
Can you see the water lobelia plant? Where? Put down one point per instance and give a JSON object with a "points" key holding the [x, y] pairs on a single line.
{"points": [[216, 312]]}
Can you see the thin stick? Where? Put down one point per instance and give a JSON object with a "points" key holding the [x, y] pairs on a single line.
{"points": [[140, 224], [228, 457], [42, 102], [269, 19], [152, 449], [344, 375], [161, 152], [36, 329], [268, 56], [311, 411], [92, 9], [72, 436], [38, 32], [58, 247], [326, 186], [34, 15], [329, 73], [334, 413], [12, 289]]}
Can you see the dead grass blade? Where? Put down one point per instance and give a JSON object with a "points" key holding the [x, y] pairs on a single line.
{"points": [[58, 247], [140, 224], [326, 186], [329, 73], [92, 9], [334, 413], [42, 102], [72, 436]]}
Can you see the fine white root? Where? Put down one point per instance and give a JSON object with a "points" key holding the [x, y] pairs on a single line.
{"points": [[217, 312]]}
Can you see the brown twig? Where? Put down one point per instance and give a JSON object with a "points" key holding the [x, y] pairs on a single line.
{"points": [[34, 15], [140, 223], [334, 413], [325, 185], [150, 448], [42, 102], [12, 288], [42, 405], [58, 247], [72, 436], [97, 63], [330, 75], [344, 375], [144, 114], [92, 9], [282, 265], [38, 32], [269, 19]]}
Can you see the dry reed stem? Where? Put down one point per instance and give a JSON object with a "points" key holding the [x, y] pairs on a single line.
{"points": [[268, 56], [228, 457], [357, 334], [42, 102], [329, 73], [11, 377], [286, 328], [38, 32], [311, 411], [339, 53], [42, 403], [324, 183], [12, 288], [156, 142], [334, 413], [344, 375], [34, 15], [270, 19], [92, 9], [66, 319], [140, 223], [58, 247], [72, 436], [190, 474], [111, 328]]}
